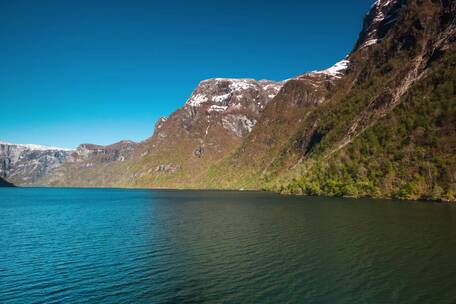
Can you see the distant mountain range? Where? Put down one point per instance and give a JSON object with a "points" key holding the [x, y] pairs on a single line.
{"points": [[379, 123]]}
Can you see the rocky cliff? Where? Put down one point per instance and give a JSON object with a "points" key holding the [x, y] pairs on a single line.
{"points": [[29, 164], [386, 128], [93, 165], [26, 164], [213, 122]]}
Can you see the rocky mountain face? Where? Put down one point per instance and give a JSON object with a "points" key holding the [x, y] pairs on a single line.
{"points": [[4, 183], [281, 117], [94, 165], [91, 154], [213, 122], [41, 165], [232, 105], [26, 164], [386, 128], [379, 123]]}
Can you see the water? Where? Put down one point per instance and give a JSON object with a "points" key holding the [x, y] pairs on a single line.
{"points": [[140, 246]]}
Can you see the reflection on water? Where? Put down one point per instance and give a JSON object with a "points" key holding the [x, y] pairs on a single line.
{"points": [[140, 246]]}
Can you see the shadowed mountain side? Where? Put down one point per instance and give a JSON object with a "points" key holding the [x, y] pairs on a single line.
{"points": [[4, 183]]}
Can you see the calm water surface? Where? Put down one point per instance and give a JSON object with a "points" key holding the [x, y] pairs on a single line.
{"points": [[140, 246]]}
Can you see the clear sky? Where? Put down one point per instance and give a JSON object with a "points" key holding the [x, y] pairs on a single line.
{"points": [[96, 71]]}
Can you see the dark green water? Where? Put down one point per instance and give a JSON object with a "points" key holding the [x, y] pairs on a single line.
{"points": [[138, 246]]}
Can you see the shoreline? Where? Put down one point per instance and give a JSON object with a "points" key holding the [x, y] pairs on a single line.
{"points": [[236, 190]]}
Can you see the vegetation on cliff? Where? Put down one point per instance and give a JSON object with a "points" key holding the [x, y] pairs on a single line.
{"points": [[410, 154]]}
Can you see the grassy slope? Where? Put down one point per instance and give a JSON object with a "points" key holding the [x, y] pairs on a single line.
{"points": [[409, 154], [186, 169]]}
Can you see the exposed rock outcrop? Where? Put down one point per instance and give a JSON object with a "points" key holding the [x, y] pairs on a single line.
{"points": [[26, 164]]}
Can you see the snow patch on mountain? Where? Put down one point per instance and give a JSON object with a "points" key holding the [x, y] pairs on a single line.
{"points": [[33, 147], [24, 164], [370, 42], [336, 71], [274, 86], [242, 84], [221, 98], [217, 108], [222, 90], [383, 3], [160, 122], [196, 100], [379, 13]]}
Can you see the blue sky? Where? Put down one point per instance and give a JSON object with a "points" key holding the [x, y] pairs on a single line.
{"points": [[100, 71]]}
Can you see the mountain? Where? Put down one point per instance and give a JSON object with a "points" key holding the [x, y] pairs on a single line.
{"points": [[389, 131], [384, 129], [212, 123], [41, 165], [26, 164], [4, 183], [379, 123], [93, 165]]}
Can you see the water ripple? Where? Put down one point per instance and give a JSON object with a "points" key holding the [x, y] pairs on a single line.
{"points": [[138, 246]]}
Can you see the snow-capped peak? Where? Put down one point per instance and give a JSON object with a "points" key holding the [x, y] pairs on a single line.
{"points": [[221, 91], [337, 70], [33, 147]]}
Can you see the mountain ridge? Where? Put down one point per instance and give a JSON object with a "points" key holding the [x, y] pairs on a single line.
{"points": [[358, 128]]}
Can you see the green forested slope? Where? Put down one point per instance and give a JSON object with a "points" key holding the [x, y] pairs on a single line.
{"points": [[386, 129], [409, 154]]}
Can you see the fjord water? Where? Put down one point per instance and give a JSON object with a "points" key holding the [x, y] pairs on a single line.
{"points": [[146, 246]]}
